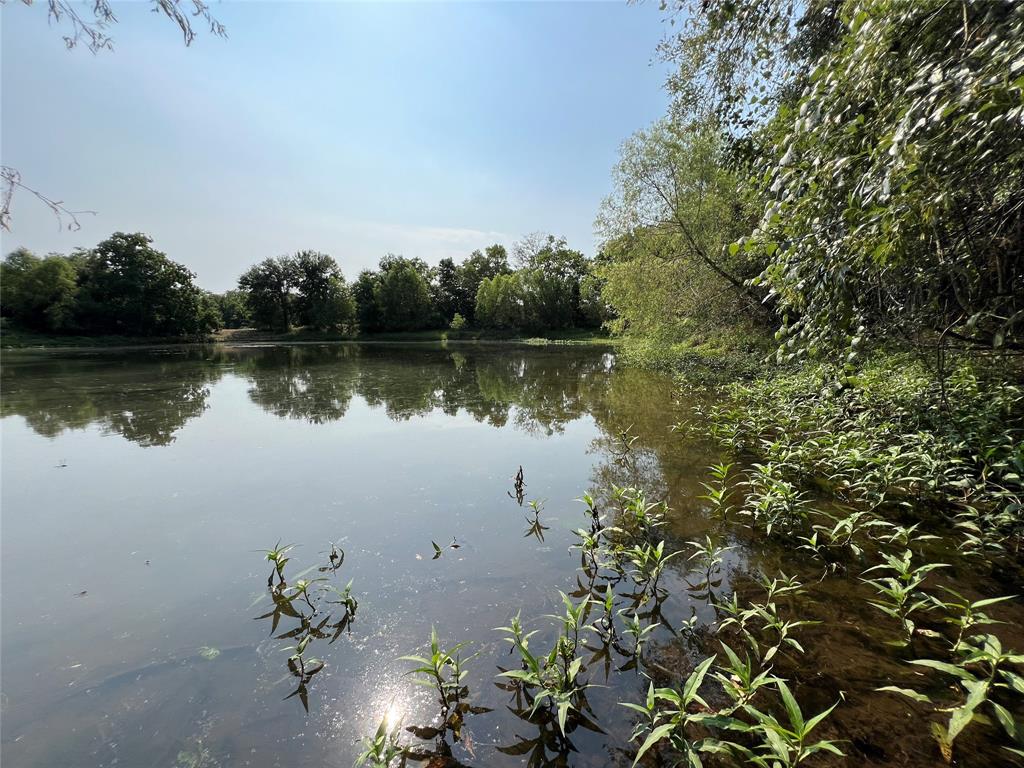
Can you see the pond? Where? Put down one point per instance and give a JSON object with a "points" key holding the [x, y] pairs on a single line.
{"points": [[140, 489]]}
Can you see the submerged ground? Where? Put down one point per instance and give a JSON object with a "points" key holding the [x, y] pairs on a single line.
{"points": [[140, 486]]}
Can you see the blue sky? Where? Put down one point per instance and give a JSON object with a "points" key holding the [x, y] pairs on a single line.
{"points": [[356, 129]]}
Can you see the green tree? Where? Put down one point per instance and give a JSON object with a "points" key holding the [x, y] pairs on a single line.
{"points": [[268, 288], [677, 206], [210, 316], [500, 302], [896, 191], [128, 287], [550, 281], [447, 290], [490, 262], [364, 294], [324, 300], [402, 294], [39, 293], [234, 311]]}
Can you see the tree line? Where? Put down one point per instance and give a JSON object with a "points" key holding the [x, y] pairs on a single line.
{"points": [[124, 286]]}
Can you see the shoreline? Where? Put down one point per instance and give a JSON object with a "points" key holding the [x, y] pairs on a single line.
{"points": [[260, 339]]}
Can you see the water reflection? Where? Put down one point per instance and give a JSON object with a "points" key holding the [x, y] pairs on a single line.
{"points": [[390, 446], [148, 396], [146, 399]]}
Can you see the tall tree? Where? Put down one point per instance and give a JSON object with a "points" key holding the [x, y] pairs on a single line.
{"points": [[402, 294], [364, 293], [672, 187], [447, 290], [268, 287], [128, 287], [324, 301], [490, 262]]}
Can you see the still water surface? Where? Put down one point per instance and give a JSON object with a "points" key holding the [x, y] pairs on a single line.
{"points": [[139, 487]]}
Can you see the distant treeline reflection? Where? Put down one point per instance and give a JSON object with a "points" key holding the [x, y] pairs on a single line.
{"points": [[147, 397]]}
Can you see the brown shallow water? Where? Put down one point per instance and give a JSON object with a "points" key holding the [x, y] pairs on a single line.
{"points": [[139, 486]]}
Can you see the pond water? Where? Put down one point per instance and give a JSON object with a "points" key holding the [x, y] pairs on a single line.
{"points": [[139, 488]]}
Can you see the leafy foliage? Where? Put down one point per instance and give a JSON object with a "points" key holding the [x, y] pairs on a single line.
{"points": [[122, 286]]}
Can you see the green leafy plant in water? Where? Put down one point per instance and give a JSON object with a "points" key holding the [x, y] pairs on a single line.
{"points": [[966, 614], [708, 556], [535, 527], [841, 537], [633, 626], [593, 512], [691, 727], [670, 715], [648, 563], [765, 620], [554, 679], [983, 670], [772, 502], [899, 593], [590, 548], [439, 550], [637, 516], [740, 679], [301, 600], [349, 605], [785, 745], [442, 669], [717, 494], [278, 556], [383, 748]]}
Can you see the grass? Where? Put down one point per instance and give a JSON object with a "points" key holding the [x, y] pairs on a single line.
{"points": [[13, 336]]}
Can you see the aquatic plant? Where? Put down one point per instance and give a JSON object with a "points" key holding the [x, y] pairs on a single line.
{"points": [[442, 670], [762, 622], [648, 561], [277, 556], [383, 748], [438, 550], [690, 726], [593, 512], [899, 593], [983, 670], [739, 679], [773, 503], [305, 600], [552, 679], [708, 556], [519, 485], [966, 614], [717, 494], [638, 630], [670, 715], [784, 745], [335, 558], [637, 516]]}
